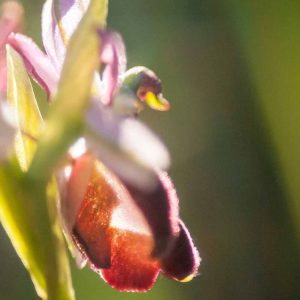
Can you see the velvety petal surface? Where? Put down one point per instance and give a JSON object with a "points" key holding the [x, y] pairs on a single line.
{"points": [[37, 63], [99, 202], [132, 267], [91, 228], [160, 208], [183, 261], [110, 230]]}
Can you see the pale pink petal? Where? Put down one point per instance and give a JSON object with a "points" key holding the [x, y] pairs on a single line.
{"points": [[37, 63], [10, 21], [113, 55], [49, 24], [59, 21]]}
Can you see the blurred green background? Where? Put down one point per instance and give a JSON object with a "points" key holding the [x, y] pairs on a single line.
{"points": [[231, 70]]}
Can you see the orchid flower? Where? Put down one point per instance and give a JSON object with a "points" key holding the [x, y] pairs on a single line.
{"points": [[118, 204]]}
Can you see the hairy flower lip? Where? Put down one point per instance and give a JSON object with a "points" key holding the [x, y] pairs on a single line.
{"points": [[159, 206], [178, 260]]}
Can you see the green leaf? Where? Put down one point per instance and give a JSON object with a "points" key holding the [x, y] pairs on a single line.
{"points": [[21, 96], [13, 213], [65, 119], [30, 219]]}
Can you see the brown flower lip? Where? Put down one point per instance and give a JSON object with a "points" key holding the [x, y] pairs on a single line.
{"points": [[126, 235]]}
